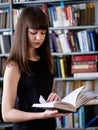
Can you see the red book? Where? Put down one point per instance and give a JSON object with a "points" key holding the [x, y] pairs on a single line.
{"points": [[84, 68], [66, 13], [44, 8], [70, 15], [82, 58]]}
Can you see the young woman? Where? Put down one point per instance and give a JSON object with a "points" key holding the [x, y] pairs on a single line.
{"points": [[28, 74]]}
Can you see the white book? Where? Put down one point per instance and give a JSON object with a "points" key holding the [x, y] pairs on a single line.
{"points": [[64, 43], [86, 75], [70, 103], [81, 42]]}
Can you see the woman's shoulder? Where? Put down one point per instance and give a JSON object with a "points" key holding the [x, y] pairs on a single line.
{"points": [[12, 65]]}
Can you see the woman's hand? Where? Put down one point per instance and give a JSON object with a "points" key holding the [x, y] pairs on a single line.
{"points": [[53, 97], [53, 113]]}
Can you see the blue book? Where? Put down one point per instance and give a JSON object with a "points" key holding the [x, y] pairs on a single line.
{"points": [[92, 40], [76, 41], [52, 12], [89, 41], [58, 67], [82, 117], [51, 43]]}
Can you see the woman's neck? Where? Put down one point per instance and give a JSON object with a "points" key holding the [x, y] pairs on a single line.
{"points": [[33, 55]]}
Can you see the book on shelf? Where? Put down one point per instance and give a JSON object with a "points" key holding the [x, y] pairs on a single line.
{"points": [[82, 117], [84, 68], [90, 13], [44, 8], [53, 21], [81, 41], [64, 43], [74, 49], [5, 43], [51, 43], [63, 66], [76, 119], [76, 41], [84, 62], [86, 75], [79, 58], [55, 42], [70, 103]]}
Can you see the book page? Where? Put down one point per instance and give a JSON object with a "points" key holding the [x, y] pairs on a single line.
{"points": [[45, 104], [72, 97]]}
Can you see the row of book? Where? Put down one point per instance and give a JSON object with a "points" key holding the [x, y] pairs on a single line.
{"points": [[84, 65], [61, 66], [73, 120], [5, 18], [71, 15], [63, 88], [73, 41], [85, 117], [77, 66], [65, 15]]}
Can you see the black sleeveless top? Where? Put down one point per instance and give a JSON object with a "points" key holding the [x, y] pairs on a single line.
{"points": [[29, 90]]}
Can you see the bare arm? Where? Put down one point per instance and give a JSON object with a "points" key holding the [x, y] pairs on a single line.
{"points": [[9, 113]]}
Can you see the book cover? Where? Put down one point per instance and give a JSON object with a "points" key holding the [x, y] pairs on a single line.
{"points": [[68, 104]]}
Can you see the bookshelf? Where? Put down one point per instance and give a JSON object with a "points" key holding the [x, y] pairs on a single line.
{"points": [[10, 30]]}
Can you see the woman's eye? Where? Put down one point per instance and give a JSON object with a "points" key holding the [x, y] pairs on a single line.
{"points": [[43, 33], [33, 33]]}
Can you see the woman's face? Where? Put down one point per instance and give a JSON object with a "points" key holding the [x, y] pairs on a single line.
{"points": [[36, 38]]}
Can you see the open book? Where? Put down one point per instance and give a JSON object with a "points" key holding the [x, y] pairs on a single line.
{"points": [[69, 103]]}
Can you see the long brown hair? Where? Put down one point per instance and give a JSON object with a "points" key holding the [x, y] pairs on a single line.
{"points": [[34, 18]]}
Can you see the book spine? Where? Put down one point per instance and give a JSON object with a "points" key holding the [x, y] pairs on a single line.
{"points": [[84, 62], [85, 66], [84, 70], [84, 58], [62, 68], [73, 43], [82, 117], [89, 74]]}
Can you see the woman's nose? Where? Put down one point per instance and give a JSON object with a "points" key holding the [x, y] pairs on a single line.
{"points": [[38, 36]]}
